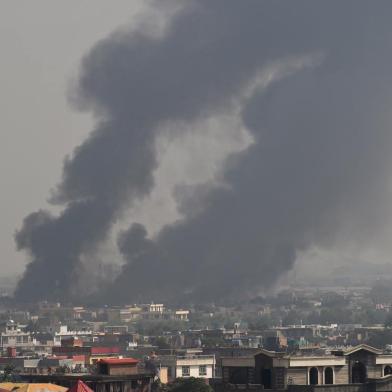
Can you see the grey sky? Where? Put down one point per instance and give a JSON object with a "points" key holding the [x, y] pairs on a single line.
{"points": [[42, 43], [306, 82]]}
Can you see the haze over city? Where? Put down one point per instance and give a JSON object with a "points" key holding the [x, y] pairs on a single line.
{"points": [[196, 196], [233, 146]]}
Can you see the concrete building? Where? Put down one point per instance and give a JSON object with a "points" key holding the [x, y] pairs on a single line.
{"points": [[115, 329], [181, 315], [140, 382], [130, 313], [113, 375], [72, 347], [64, 333], [199, 366], [274, 340], [278, 371], [13, 335], [154, 308], [117, 366]]}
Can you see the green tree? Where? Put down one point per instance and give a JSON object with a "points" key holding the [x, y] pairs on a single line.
{"points": [[8, 373], [162, 343], [157, 386], [190, 385]]}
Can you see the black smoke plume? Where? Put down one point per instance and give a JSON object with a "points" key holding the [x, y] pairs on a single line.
{"points": [[317, 172]]}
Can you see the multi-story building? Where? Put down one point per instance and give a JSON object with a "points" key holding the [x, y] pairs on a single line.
{"points": [[14, 335], [64, 333], [115, 329], [130, 313], [181, 315], [118, 375], [274, 370], [155, 308], [189, 365]]}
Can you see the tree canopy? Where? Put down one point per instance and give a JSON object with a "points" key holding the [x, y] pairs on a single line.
{"points": [[191, 384]]}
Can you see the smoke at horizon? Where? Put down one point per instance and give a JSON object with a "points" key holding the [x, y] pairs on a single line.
{"points": [[308, 81]]}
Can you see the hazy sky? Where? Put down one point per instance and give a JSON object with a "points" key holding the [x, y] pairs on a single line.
{"points": [[239, 137], [42, 43]]}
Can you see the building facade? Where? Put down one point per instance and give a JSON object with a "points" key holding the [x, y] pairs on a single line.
{"points": [[199, 366], [13, 335], [278, 371]]}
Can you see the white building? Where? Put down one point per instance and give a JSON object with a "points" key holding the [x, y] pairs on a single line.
{"points": [[156, 308], [13, 335], [181, 315], [65, 333], [190, 365]]}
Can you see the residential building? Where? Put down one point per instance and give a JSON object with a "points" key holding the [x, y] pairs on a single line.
{"points": [[189, 365], [14, 335], [117, 366], [182, 315], [64, 333], [139, 382], [275, 370]]}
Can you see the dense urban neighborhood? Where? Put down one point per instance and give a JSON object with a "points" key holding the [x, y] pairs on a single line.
{"points": [[300, 336], [196, 196]]}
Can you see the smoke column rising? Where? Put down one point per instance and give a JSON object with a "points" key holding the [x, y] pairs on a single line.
{"points": [[316, 172]]}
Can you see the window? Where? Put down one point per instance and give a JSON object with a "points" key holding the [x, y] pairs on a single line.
{"points": [[266, 378], [328, 375], [186, 371], [202, 370], [313, 376]]}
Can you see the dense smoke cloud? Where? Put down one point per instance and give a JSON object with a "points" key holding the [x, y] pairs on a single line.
{"points": [[317, 169]]}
